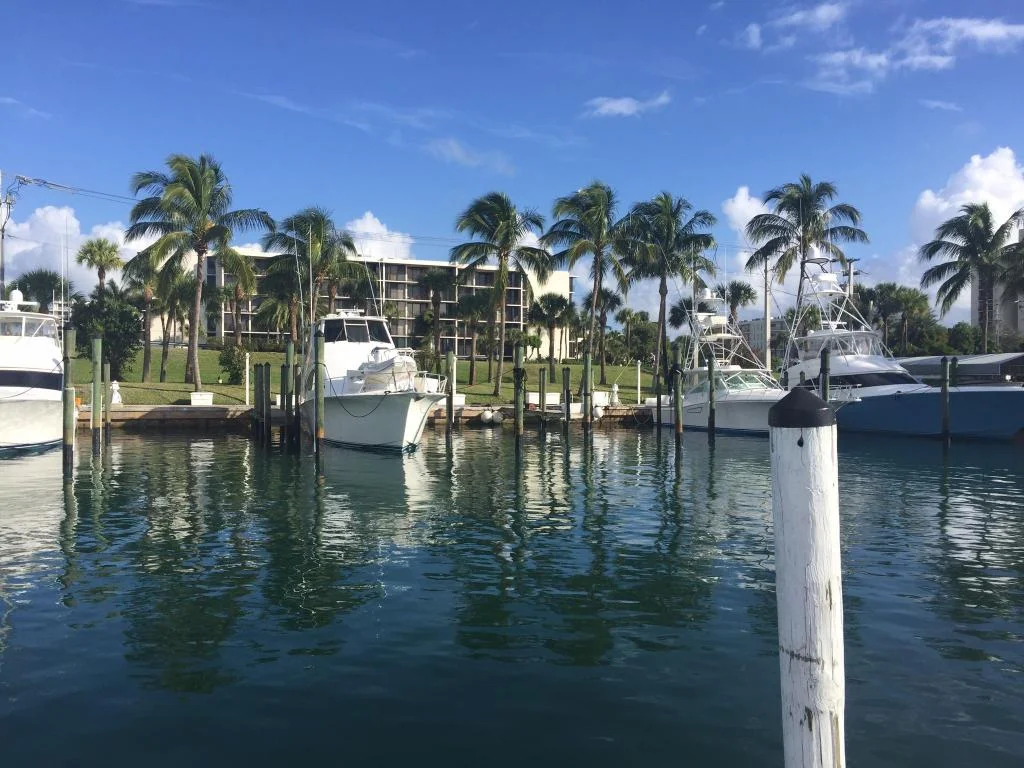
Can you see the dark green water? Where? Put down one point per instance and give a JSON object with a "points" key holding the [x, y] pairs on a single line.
{"points": [[199, 602]]}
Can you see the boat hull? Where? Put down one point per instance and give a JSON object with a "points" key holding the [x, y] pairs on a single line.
{"points": [[28, 424], [738, 413], [982, 413], [389, 421]]}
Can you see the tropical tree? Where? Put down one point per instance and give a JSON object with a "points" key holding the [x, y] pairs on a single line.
{"points": [[736, 293], [882, 304], [665, 240], [43, 285], [974, 248], [629, 320], [142, 274], [438, 283], [188, 209], [242, 286], [550, 311], [320, 246], [102, 255], [803, 221], [585, 225], [282, 284], [474, 309], [607, 301], [391, 312], [175, 290], [500, 231]]}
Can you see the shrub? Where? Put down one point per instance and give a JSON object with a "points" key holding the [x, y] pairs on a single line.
{"points": [[118, 323], [232, 362]]}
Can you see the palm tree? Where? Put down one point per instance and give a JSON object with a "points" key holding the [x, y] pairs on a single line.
{"points": [[142, 274], [244, 284], [437, 282], [275, 313], [663, 243], [974, 249], [736, 293], [189, 211], [102, 255], [283, 284], [549, 310], [173, 291], [914, 311], [391, 312], [474, 309], [320, 246], [607, 302], [500, 229], [44, 285], [585, 225], [885, 302], [801, 222]]}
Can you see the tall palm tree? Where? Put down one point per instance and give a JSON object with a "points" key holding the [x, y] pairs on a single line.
{"points": [[499, 230], [736, 293], [173, 294], [438, 283], [585, 225], [665, 240], [915, 311], [283, 284], [188, 209], [802, 221], [549, 310], [244, 283], [474, 309], [607, 301], [102, 255], [142, 274], [43, 285], [312, 235], [974, 249]]}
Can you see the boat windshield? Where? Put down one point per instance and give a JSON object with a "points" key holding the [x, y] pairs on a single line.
{"points": [[40, 327], [848, 343], [378, 331], [747, 380], [11, 326]]}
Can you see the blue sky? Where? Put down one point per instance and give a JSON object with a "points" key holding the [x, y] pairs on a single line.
{"points": [[409, 110]]}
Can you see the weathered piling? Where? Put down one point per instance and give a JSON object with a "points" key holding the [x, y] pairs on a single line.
{"points": [[69, 401], [318, 391], [245, 384], [711, 397], [296, 425], [954, 373], [106, 402], [566, 399], [945, 397], [588, 397], [288, 401], [97, 394], [639, 398], [808, 580], [257, 403], [519, 389], [677, 394], [657, 405], [449, 406], [268, 403], [542, 394], [825, 373]]}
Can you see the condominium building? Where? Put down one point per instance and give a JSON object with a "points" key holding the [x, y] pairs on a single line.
{"points": [[1006, 309], [398, 294]]}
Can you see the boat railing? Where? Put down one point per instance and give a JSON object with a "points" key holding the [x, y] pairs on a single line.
{"points": [[425, 381], [843, 393]]}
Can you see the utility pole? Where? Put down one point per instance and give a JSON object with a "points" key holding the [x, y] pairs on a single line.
{"points": [[5, 213]]}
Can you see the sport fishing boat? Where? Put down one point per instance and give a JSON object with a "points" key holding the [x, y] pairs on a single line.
{"points": [[31, 377], [870, 391], [744, 389], [374, 395]]}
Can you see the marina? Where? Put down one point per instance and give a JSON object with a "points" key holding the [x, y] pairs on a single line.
{"points": [[610, 599]]}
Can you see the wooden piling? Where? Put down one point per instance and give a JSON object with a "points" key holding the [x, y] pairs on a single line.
{"points": [[106, 402], [296, 434], [677, 394], [288, 392], [542, 389], [954, 373], [268, 403], [657, 406], [449, 406], [257, 402], [68, 435], [808, 580], [519, 389], [97, 394], [825, 373], [945, 397], [711, 396], [318, 391], [588, 397], [566, 399]]}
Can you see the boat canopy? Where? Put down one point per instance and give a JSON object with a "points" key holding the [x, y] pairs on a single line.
{"points": [[356, 329], [840, 342], [21, 324]]}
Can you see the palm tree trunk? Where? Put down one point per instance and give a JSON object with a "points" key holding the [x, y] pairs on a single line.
{"points": [[196, 319], [490, 349], [293, 316], [102, 274], [168, 329], [551, 352], [472, 356], [147, 349], [237, 307], [604, 380], [593, 311], [436, 302], [501, 345]]}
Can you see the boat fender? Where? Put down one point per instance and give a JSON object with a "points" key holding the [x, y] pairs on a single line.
{"points": [[486, 417], [598, 413], [497, 417]]}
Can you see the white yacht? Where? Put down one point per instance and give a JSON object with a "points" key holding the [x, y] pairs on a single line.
{"points": [[744, 389], [374, 395], [869, 389], [31, 377]]}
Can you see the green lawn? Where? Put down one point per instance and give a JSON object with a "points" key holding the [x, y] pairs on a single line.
{"points": [[175, 392]]}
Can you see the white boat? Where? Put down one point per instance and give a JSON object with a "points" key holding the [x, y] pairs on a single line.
{"points": [[31, 377], [870, 391], [374, 394], [744, 389]]}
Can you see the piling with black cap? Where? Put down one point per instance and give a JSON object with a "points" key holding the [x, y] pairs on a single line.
{"points": [[945, 396], [519, 388], [318, 386], [588, 398], [825, 373], [808, 579], [711, 397]]}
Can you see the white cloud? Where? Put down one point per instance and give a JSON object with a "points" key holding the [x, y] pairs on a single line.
{"points": [[943, 37], [625, 106], [20, 106], [750, 37], [452, 150], [946, 106], [717, 6], [37, 243], [740, 209], [375, 241], [702, 29], [854, 71], [817, 18]]}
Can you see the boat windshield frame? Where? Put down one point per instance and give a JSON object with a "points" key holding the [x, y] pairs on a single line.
{"points": [[27, 326], [840, 342]]}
